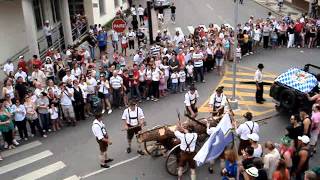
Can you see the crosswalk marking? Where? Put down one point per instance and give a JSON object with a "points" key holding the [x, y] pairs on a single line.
{"points": [[191, 29], [245, 94], [37, 174], [251, 103], [241, 86], [23, 162], [244, 80], [21, 149], [180, 30], [250, 74], [74, 177]]}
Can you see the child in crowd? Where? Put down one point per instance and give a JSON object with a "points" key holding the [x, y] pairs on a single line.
{"points": [[238, 53], [274, 38], [54, 116], [182, 80], [190, 72], [174, 81], [162, 83]]}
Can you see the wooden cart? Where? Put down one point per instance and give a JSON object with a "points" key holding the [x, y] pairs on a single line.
{"points": [[161, 141]]}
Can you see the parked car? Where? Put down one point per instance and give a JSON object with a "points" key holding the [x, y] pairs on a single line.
{"points": [[290, 88], [161, 3]]}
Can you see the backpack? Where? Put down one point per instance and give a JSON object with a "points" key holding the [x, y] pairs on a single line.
{"points": [[95, 103]]}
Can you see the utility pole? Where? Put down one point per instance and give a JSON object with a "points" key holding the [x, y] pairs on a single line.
{"points": [[234, 102], [149, 6]]}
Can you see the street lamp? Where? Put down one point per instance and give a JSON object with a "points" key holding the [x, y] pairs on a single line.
{"points": [[234, 102]]}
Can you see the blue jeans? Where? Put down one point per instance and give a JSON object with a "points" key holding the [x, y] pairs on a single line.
{"points": [[174, 87], [92, 52], [45, 118]]}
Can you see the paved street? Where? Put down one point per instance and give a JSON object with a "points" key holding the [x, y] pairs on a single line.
{"points": [[73, 152]]}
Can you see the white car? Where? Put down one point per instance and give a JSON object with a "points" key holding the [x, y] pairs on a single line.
{"points": [[161, 3]]}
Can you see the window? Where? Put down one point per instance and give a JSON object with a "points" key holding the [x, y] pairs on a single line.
{"points": [[55, 8], [116, 3], [37, 9], [102, 7]]}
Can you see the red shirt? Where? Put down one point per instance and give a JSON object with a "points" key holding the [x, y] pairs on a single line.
{"points": [[136, 75], [180, 58], [36, 63], [22, 64], [298, 27]]}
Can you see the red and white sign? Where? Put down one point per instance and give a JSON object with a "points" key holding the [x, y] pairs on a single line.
{"points": [[119, 25]]}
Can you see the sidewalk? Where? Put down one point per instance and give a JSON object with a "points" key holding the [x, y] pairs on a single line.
{"points": [[272, 5]]}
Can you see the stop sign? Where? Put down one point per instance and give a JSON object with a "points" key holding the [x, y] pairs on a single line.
{"points": [[119, 25]]}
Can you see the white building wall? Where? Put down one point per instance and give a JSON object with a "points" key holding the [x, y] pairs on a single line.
{"points": [[92, 11], [12, 29]]}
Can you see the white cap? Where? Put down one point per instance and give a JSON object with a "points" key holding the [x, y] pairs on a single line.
{"points": [[191, 49], [253, 172], [21, 57], [305, 139], [254, 137], [47, 21]]}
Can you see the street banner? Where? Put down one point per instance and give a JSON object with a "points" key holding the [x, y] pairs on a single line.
{"points": [[217, 142]]}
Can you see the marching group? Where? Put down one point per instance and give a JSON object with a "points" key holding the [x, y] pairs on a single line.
{"points": [[45, 93]]}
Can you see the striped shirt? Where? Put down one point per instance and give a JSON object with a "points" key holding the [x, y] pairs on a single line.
{"points": [[197, 59], [116, 82], [155, 50]]}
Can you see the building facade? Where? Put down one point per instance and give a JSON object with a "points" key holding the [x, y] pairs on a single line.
{"points": [[303, 4], [22, 23]]}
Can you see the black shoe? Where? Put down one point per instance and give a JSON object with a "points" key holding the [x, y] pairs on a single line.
{"points": [[140, 152], [210, 169], [263, 99], [259, 102], [128, 150], [104, 166], [108, 160]]}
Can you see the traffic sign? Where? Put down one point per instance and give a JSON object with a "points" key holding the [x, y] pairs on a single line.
{"points": [[119, 25]]}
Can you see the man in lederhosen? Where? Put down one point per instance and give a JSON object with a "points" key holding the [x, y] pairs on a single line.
{"points": [[190, 100], [100, 132], [133, 118], [217, 102], [259, 84], [244, 130], [188, 139]]}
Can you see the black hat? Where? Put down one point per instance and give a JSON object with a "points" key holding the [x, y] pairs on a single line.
{"points": [[260, 66], [248, 116]]}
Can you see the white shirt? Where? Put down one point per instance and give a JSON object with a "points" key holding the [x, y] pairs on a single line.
{"points": [[19, 112], [21, 74], [174, 77], [91, 83], [137, 59], [271, 160], [7, 68], [182, 76], [258, 76], [156, 75], [114, 36], [54, 113], [131, 35], [99, 129], [104, 87], [257, 152], [189, 70], [140, 11], [67, 78], [47, 30], [198, 59], [132, 117], [257, 34], [178, 39], [133, 11], [190, 98], [76, 72], [66, 99], [187, 139], [243, 130], [217, 101], [116, 82]]}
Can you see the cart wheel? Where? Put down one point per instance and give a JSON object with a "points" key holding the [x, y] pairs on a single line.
{"points": [[154, 148], [172, 161]]}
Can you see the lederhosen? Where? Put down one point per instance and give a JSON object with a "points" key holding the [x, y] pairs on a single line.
{"points": [[102, 145], [133, 129], [220, 112], [186, 156], [192, 105], [245, 143]]}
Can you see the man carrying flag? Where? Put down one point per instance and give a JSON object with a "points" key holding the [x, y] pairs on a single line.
{"points": [[220, 138]]}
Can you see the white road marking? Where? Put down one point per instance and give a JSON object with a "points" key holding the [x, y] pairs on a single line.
{"points": [[26, 161], [191, 29], [210, 7], [180, 30], [112, 166], [21, 149], [37, 174], [74, 177]]}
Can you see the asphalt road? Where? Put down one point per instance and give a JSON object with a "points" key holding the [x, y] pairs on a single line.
{"points": [[76, 151]]}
